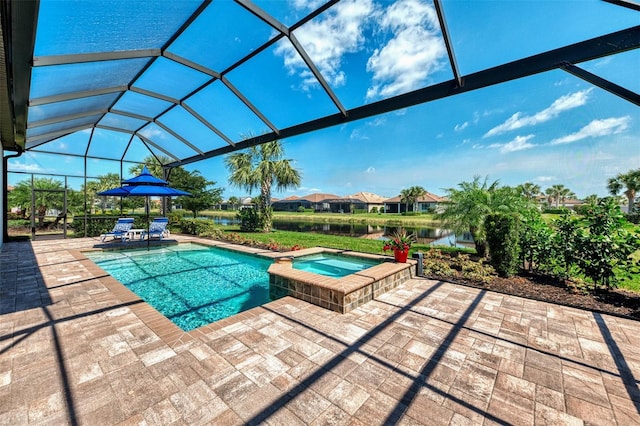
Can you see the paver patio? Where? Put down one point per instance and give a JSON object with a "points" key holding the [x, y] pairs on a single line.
{"points": [[76, 347]]}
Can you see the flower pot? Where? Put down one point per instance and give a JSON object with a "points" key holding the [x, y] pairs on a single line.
{"points": [[401, 255]]}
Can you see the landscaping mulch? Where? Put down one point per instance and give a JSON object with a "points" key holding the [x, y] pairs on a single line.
{"points": [[616, 302]]}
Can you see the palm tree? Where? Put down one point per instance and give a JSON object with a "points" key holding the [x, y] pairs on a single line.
{"points": [[411, 195], [591, 200], [630, 181], [233, 202], [104, 182], [416, 193], [45, 192], [565, 194], [558, 193], [529, 190], [473, 201], [262, 167]]}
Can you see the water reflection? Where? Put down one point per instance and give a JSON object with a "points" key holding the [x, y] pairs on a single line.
{"points": [[425, 235]]}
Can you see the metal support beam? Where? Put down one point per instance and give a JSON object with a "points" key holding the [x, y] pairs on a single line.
{"points": [[607, 85], [177, 136], [316, 73], [264, 16], [41, 61], [66, 118], [155, 95], [131, 115], [76, 95], [626, 3], [249, 105], [18, 65], [587, 50], [204, 121], [447, 41], [156, 146]]}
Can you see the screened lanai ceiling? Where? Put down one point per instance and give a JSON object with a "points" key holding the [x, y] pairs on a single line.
{"points": [[189, 80]]}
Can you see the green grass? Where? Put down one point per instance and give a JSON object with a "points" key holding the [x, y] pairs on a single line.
{"points": [[632, 283], [307, 240], [390, 219]]}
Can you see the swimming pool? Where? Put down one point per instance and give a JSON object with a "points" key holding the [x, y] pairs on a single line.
{"points": [[332, 265], [190, 284]]}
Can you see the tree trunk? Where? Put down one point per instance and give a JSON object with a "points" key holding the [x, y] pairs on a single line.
{"points": [[42, 210], [481, 245], [265, 206]]}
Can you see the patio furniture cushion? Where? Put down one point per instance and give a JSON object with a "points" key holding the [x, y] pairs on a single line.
{"points": [[120, 229]]}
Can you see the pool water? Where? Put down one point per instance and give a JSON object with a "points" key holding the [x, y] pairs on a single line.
{"points": [[332, 265], [190, 284]]}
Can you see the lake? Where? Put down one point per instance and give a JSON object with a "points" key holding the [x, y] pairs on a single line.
{"points": [[425, 235]]}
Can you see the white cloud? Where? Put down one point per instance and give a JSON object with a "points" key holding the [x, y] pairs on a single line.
{"points": [[24, 167], [608, 126], [326, 40], [378, 121], [545, 179], [461, 127], [519, 120], [414, 52], [356, 134], [518, 144], [152, 132], [371, 169], [307, 4]]}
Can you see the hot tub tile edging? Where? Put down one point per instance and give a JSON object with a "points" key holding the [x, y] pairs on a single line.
{"points": [[337, 294]]}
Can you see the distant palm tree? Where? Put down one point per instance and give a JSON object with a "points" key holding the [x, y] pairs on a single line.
{"points": [[592, 199], [233, 202], [262, 167], [411, 195], [557, 193], [104, 182], [629, 181], [529, 190]]}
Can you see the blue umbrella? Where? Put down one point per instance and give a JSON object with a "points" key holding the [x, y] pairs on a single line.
{"points": [[146, 178], [144, 191], [145, 185]]}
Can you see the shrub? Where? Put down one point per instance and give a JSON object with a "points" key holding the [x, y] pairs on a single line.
{"points": [[435, 263], [301, 209], [535, 235], [634, 217], [374, 210], [564, 244], [473, 270], [556, 210], [607, 246], [503, 241], [250, 220], [97, 225], [198, 227]]}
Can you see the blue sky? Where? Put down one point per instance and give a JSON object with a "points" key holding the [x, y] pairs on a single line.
{"points": [[551, 128]]}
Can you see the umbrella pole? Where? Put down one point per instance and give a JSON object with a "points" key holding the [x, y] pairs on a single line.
{"points": [[147, 208]]}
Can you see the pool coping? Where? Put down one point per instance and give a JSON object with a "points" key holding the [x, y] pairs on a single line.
{"points": [[173, 335]]}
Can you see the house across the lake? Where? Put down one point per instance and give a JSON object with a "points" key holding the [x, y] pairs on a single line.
{"points": [[355, 203], [316, 202], [427, 203]]}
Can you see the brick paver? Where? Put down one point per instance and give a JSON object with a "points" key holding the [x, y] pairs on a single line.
{"points": [[76, 347]]}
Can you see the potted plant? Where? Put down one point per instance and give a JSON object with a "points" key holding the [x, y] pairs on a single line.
{"points": [[400, 242]]}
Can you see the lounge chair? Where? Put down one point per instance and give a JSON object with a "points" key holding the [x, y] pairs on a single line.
{"points": [[122, 226], [157, 228]]}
